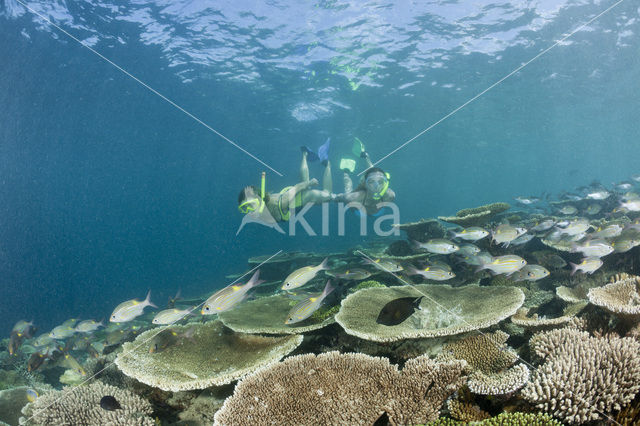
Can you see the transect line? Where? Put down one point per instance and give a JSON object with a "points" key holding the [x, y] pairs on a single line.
{"points": [[494, 84], [151, 89], [379, 265], [150, 338]]}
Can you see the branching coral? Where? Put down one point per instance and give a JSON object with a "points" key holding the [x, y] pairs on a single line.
{"points": [[81, 406], [337, 389], [583, 378], [490, 360]]}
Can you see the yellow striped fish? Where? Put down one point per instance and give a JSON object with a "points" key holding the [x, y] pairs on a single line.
{"points": [[126, 311], [230, 296], [301, 276], [507, 264], [307, 307]]}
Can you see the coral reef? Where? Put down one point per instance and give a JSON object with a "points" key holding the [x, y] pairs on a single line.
{"points": [[620, 297], [267, 315], [445, 310], [583, 378], [535, 322], [81, 406], [476, 216], [466, 411], [338, 389], [213, 356], [491, 363], [505, 419], [12, 400], [423, 230]]}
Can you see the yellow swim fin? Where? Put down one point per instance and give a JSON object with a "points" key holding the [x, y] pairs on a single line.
{"points": [[347, 164], [357, 148]]}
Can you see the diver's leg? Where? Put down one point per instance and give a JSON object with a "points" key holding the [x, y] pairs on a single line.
{"points": [[327, 182], [348, 183], [367, 160], [304, 168]]}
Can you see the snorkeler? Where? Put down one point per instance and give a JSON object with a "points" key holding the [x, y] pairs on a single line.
{"points": [[269, 208], [373, 189]]}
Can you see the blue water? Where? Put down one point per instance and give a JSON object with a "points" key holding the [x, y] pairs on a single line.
{"points": [[106, 190]]}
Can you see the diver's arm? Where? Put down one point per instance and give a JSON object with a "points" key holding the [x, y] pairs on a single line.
{"points": [[367, 160], [351, 197], [389, 196]]}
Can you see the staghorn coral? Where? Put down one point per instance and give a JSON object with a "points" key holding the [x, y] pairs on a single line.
{"points": [[504, 419], [583, 378], [337, 389], [466, 411], [620, 297], [490, 361], [443, 311], [212, 356], [81, 406]]}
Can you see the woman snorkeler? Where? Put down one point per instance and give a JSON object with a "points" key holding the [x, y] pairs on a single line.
{"points": [[270, 207], [373, 189]]}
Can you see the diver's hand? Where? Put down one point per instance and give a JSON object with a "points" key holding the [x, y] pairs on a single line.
{"points": [[313, 182]]}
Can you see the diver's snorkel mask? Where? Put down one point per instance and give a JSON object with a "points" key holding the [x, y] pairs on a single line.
{"points": [[254, 204], [378, 183]]}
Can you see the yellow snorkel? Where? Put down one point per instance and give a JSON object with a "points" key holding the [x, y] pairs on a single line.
{"points": [[378, 195], [255, 203]]}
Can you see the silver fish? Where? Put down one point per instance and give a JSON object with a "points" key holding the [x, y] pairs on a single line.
{"points": [[434, 273], [588, 265], [609, 231], [307, 307], [545, 225], [169, 316], [505, 233], [593, 248], [126, 311], [473, 233], [62, 332], [599, 194], [568, 210], [301, 276], [506, 264], [575, 227], [385, 265], [437, 246], [229, 296], [88, 326], [531, 273]]}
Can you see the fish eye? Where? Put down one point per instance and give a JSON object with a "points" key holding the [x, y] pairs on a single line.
{"points": [[206, 308]]}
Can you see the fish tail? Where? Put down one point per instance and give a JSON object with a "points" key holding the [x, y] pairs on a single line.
{"points": [[255, 279], [412, 270], [416, 303], [574, 268], [148, 301], [324, 265], [328, 288]]}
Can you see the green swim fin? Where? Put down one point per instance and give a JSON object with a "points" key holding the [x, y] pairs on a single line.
{"points": [[347, 164], [357, 148]]}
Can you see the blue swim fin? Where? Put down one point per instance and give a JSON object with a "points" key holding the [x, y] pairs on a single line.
{"points": [[311, 156], [323, 151]]}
